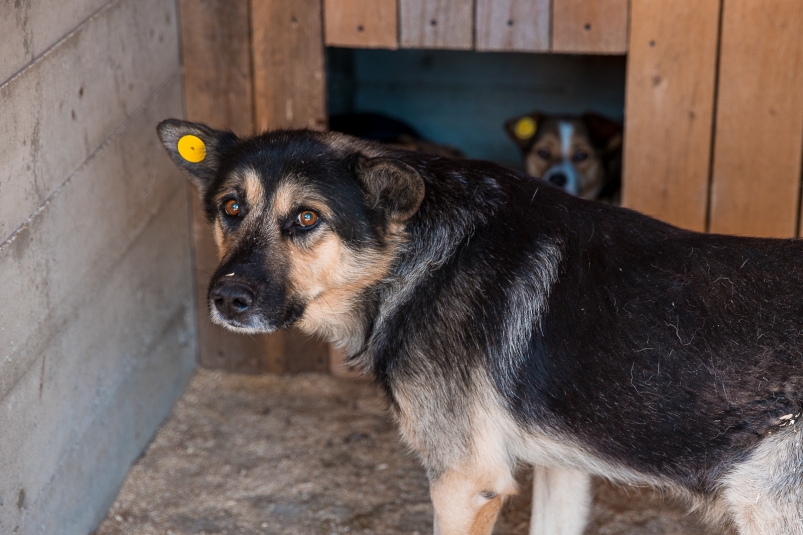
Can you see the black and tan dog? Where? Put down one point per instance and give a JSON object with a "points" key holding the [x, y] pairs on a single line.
{"points": [[510, 322], [580, 153]]}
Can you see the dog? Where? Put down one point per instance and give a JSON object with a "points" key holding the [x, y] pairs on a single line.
{"points": [[581, 154], [511, 323]]}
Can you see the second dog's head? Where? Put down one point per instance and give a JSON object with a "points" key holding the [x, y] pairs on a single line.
{"points": [[304, 222], [572, 152]]}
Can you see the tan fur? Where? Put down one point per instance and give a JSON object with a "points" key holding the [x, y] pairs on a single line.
{"points": [[254, 192], [590, 171]]}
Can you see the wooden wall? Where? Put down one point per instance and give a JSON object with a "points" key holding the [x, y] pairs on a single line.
{"points": [[97, 327], [571, 26], [250, 66], [713, 112]]}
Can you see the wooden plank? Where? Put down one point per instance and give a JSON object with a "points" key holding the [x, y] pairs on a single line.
{"points": [[216, 57], [437, 24], [669, 109], [361, 23], [290, 92], [510, 25], [288, 59], [590, 26], [216, 54], [759, 130]]}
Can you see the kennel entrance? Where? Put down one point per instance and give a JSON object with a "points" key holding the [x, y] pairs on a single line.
{"points": [[713, 131]]}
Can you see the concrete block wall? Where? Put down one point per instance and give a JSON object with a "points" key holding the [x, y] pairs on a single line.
{"points": [[97, 319]]}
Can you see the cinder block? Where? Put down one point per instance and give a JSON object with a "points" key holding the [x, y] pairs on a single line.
{"points": [[52, 266], [30, 27], [58, 111], [107, 363], [98, 278]]}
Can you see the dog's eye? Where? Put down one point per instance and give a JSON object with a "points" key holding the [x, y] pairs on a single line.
{"points": [[579, 156], [307, 219], [232, 208], [543, 153]]}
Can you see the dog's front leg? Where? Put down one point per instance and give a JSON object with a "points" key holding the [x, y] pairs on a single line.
{"points": [[463, 505], [561, 501]]}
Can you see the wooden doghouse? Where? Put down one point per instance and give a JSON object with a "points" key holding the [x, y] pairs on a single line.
{"points": [[713, 113]]}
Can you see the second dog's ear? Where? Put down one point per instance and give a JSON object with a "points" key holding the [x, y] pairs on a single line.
{"points": [[605, 133], [391, 185], [196, 149], [522, 129]]}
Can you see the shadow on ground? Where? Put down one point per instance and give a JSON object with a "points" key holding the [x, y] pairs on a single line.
{"points": [[314, 455]]}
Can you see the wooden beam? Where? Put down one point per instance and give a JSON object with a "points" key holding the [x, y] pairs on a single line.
{"points": [[290, 92], [513, 25], [669, 109], [361, 23], [589, 26], [216, 56], [288, 60], [437, 23], [759, 126]]}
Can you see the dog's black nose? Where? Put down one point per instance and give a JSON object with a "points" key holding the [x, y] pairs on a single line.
{"points": [[559, 179], [232, 299]]}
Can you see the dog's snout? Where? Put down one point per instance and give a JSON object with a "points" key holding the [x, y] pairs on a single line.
{"points": [[232, 299], [559, 179]]}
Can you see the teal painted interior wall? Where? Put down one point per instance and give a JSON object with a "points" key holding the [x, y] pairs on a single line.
{"points": [[462, 97]]}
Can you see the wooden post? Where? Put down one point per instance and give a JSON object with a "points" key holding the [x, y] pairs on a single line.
{"points": [[290, 92], [216, 55], [508, 25], [361, 23], [759, 132], [669, 109], [590, 26], [288, 59]]}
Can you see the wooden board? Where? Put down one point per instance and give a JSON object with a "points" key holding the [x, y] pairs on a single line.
{"points": [[288, 59], [669, 109], [361, 23], [290, 92], [437, 23], [508, 25], [216, 54], [591, 26], [759, 125]]}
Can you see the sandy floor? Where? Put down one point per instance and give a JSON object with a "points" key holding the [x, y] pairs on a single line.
{"points": [[311, 454]]}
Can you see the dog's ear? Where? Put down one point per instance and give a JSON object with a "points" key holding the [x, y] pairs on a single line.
{"points": [[391, 186], [522, 129], [604, 133], [196, 149]]}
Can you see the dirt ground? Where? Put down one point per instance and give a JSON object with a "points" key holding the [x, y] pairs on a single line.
{"points": [[314, 455]]}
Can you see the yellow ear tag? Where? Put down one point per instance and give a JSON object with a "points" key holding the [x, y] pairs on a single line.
{"points": [[525, 128], [192, 148]]}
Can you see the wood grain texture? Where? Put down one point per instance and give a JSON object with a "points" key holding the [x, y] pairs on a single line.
{"points": [[288, 59], [759, 125], [290, 92], [669, 109], [216, 54], [510, 25], [437, 24], [361, 23], [590, 26]]}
